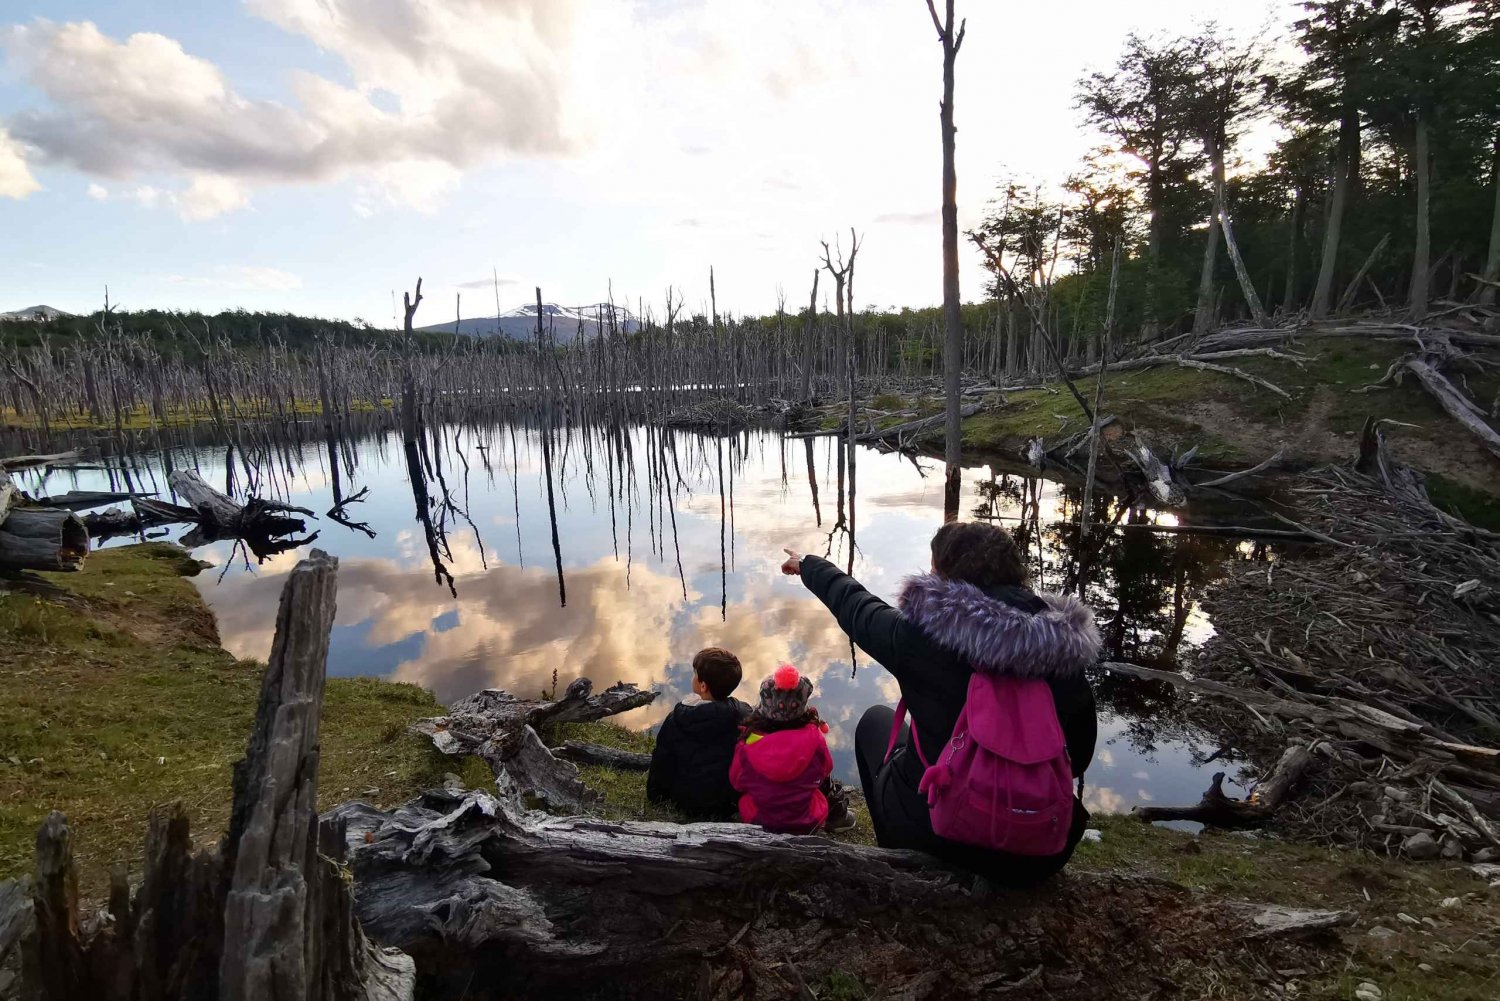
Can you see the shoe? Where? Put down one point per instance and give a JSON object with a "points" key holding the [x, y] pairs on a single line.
{"points": [[840, 818], [843, 822]]}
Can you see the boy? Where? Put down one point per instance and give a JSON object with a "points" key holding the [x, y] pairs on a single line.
{"points": [[695, 745]]}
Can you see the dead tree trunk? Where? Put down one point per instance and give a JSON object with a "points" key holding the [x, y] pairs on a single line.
{"points": [[953, 345], [1489, 281], [486, 893], [266, 913]]}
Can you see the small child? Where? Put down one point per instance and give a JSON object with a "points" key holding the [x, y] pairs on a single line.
{"points": [[696, 742], [782, 762]]}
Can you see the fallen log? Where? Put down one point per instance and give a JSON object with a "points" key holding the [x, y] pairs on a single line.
{"points": [[155, 512], [116, 521], [83, 500], [1218, 810], [606, 757], [29, 461], [1244, 473], [916, 426], [1457, 405], [39, 538], [223, 517], [481, 891], [267, 913], [1157, 473]]}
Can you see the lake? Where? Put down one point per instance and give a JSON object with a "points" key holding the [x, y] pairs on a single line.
{"points": [[643, 546]]}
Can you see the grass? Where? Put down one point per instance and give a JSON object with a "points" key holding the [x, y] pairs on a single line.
{"points": [[1233, 421], [115, 696]]}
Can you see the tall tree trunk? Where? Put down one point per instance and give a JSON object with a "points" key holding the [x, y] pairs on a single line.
{"points": [[1491, 273], [809, 335], [954, 341], [1204, 316], [1226, 226], [1417, 306], [1347, 168], [1154, 186], [1294, 245]]}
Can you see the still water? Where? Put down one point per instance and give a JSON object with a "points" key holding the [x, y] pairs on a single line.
{"points": [[496, 556]]}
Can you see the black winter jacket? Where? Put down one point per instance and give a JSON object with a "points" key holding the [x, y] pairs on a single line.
{"points": [[694, 748], [932, 645]]}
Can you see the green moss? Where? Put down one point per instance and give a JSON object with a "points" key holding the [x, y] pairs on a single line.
{"points": [[1474, 506], [115, 697], [837, 985]]}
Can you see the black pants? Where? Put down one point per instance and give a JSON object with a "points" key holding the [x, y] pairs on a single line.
{"points": [[900, 818]]}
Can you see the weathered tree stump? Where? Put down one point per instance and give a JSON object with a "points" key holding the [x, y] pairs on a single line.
{"points": [[266, 913]]}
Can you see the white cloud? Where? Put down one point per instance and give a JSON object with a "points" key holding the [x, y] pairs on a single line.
{"points": [[15, 178], [437, 87], [211, 195], [98, 192]]}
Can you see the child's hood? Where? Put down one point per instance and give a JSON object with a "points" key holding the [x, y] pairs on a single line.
{"points": [[701, 719], [785, 754]]}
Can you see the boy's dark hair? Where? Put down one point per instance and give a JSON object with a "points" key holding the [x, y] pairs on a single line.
{"points": [[977, 553], [719, 670]]}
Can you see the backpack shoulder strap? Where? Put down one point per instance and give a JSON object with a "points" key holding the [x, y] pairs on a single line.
{"points": [[896, 722]]}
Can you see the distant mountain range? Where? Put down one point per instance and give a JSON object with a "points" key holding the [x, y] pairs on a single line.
{"points": [[564, 323], [35, 313]]}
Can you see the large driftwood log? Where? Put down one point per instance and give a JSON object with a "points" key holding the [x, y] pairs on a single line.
{"points": [[265, 914], [1218, 810], [495, 725], [219, 516], [39, 538], [506, 901]]}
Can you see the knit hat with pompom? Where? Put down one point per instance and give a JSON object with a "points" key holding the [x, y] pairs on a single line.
{"points": [[784, 695]]}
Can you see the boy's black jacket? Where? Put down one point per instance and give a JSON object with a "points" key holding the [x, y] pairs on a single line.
{"points": [[694, 748]]}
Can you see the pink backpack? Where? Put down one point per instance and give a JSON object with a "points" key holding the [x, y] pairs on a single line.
{"points": [[1003, 781]]}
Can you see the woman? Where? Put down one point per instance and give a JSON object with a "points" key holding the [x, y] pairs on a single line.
{"points": [[973, 611]]}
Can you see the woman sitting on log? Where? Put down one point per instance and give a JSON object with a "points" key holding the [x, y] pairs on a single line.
{"points": [[1003, 718]]}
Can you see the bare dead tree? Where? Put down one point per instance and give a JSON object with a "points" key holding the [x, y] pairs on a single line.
{"points": [[951, 40]]}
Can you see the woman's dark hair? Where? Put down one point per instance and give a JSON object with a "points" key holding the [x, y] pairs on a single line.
{"points": [[977, 553]]}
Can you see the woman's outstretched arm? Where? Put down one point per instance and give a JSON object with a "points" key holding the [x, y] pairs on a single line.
{"points": [[877, 627]]}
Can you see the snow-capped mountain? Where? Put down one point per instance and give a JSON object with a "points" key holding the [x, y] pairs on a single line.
{"points": [[564, 323], [38, 314]]}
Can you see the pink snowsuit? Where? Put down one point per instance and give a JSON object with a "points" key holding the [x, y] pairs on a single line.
{"points": [[778, 775]]}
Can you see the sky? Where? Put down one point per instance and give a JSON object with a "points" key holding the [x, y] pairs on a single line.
{"points": [[317, 156]]}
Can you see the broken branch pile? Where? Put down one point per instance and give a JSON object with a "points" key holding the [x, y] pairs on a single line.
{"points": [[1382, 655]]}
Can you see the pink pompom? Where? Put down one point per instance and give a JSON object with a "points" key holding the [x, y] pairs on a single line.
{"points": [[786, 677]]}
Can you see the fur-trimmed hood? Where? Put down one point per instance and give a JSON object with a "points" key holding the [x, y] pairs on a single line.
{"points": [[1058, 641]]}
